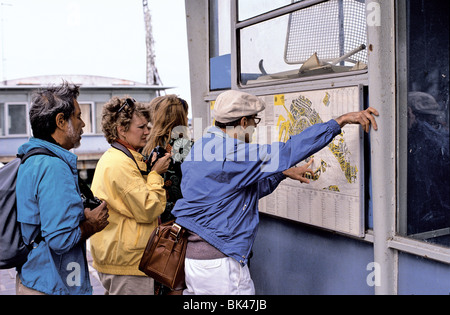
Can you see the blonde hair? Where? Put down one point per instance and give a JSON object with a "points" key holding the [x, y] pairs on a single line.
{"points": [[112, 118], [169, 112]]}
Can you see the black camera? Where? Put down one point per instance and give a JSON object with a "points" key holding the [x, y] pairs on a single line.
{"points": [[160, 152], [90, 202], [88, 198]]}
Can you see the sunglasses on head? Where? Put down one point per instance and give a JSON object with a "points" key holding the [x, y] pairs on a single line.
{"points": [[129, 101]]}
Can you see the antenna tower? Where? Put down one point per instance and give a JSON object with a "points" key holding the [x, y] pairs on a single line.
{"points": [[152, 72]]}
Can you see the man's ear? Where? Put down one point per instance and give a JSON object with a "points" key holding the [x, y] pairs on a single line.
{"points": [[60, 121], [244, 122]]}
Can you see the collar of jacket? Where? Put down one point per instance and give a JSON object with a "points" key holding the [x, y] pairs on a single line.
{"points": [[63, 154], [220, 133], [217, 131]]}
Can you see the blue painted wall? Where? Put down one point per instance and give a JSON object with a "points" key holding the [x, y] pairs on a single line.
{"points": [[420, 276], [293, 259]]}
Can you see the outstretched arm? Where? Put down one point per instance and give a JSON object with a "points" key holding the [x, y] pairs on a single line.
{"points": [[364, 118]]}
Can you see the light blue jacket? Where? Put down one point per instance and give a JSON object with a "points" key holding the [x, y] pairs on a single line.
{"points": [[48, 199], [223, 179]]}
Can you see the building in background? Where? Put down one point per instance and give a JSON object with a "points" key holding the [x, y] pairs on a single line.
{"points": [[95, 91]]}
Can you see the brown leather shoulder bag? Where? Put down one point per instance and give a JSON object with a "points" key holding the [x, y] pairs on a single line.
{"points": [[163, 258]]}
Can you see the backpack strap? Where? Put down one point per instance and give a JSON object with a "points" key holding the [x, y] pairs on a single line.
{"points": [[23, 158], [35, 151], [127, 152]]}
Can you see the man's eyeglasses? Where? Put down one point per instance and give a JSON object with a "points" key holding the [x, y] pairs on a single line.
{"points": [[129, 101], [257, 120]]}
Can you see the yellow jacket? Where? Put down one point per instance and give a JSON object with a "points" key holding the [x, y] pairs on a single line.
{"points": [[134, 203]]}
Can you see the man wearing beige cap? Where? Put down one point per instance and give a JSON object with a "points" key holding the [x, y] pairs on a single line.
{"points": [[233, 106], [223, 181]]}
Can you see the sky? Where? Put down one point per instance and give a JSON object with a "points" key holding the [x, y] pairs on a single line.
{"points": [[93, 37]]}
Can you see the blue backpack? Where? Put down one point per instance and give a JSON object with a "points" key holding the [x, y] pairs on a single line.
{"points": [[13, 250]]}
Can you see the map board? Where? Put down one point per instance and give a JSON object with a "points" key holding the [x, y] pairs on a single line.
{"points": [[334, 199]]}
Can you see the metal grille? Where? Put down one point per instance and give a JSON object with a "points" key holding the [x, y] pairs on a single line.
{"points": [[331, 29]]}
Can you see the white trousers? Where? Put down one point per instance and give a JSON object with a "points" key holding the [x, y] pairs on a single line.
{"points": [[224, 276]]}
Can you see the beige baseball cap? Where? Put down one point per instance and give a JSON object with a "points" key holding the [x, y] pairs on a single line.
{"points": [[232, 105]]}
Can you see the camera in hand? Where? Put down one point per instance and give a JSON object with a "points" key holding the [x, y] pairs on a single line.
{"points": [[90, 202], [88, 198], [160, 152]]}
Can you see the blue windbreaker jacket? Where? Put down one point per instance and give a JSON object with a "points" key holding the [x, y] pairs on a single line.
{"points": [[48, 199], [223, 179]]}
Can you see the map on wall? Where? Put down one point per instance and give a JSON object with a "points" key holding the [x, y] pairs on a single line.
{"points": [[334, 198]]}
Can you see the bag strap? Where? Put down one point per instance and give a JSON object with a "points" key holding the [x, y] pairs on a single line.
{"points": [[175, 230], [23, 158], [127, 152], [35, 151]]}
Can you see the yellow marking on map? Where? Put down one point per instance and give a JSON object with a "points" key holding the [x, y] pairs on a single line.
{"points": [[278, 100], [326, 99], [301, 116]]}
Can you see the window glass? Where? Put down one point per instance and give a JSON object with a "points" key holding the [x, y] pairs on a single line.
{"points": [[326, 38], [2, 120], [220, 44], [98, 117], [251, 8], [17, 123], [428, 188], [86, 115]]}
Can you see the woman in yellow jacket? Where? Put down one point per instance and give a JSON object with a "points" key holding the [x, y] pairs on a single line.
{"points": [[134, 199]]}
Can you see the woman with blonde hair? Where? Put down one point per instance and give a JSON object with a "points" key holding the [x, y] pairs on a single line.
{"points": [[170, 132], [135, 198]]}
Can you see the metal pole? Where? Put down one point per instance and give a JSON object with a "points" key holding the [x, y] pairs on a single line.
{"points": [[382, 96], [197, 21]]}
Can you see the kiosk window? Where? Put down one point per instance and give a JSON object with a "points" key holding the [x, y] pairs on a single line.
{"points": [[251, 8], [220, 44], [323, 39], [428, 175]]}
